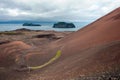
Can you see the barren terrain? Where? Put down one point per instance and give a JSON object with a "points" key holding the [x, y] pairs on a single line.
{"points": [[91, 53]]}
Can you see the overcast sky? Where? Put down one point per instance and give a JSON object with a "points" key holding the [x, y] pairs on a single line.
{"points": [[55, 10]]}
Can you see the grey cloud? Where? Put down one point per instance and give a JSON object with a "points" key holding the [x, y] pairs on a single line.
{"points": [[12, 5], [52, 10]]}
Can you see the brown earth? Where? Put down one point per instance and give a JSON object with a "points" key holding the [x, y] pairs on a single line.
{"points": [[94, 49]]}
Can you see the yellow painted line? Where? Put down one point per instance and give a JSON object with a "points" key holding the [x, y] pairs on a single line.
{"points": [[58, 54]]}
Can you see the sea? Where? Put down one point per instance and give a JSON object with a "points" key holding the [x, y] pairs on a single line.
{"points": [[45, 26]]}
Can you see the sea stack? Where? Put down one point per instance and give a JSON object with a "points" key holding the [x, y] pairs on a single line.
{"points": [[31, 24], [63, 25]]}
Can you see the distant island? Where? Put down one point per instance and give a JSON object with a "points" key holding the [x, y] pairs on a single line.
{"points": [[31, 24], [63, 25]]}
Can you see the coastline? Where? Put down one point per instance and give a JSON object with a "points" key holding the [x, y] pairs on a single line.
{"points": [[27, 35]]}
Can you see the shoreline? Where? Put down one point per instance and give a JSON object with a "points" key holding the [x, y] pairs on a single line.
{"points": [[25, 29], [27, 35]]}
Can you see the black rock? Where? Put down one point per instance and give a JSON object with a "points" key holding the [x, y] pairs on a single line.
{"points": [[22, 29], [48, 36], [31, 24], [4, 42], [44, 36], [63, 25]]}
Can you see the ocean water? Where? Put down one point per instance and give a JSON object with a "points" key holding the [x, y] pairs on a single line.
{"points": [[45, 26]]}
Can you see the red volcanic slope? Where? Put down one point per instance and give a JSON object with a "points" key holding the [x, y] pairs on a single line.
{"points": [[104, 30], [94, 48], [10, 51]]}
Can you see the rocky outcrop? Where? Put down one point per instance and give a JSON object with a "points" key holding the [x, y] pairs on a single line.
{"points": [[23, 29], [4, 42], [31, 24], [63, 25], [48, 36]]}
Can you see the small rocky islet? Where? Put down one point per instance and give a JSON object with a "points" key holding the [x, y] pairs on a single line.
{"points": [[30, 24], [63, 25]]}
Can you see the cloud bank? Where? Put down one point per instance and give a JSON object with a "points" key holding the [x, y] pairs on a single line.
{"points": [[55, 10]]}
